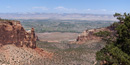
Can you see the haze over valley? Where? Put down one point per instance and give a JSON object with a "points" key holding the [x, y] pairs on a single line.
{"points": [[62, 16]]}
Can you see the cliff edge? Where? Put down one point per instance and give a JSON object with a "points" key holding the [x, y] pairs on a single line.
{"points": [[12, 32], [89, 35], [18, 47]]}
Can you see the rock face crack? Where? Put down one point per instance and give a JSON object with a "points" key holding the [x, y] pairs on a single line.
{"points": [[12, 32]]}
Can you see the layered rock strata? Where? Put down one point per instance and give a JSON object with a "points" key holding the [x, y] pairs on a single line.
{"points": [[12, 32]]}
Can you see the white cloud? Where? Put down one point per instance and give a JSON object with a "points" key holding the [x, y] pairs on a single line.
{"points": [[103, 10], [72, 10], [88, 9], [63, 9], [8, 7], [42, 8], [97, 11]]}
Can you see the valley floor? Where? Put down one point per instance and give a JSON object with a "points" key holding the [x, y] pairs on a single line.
{"points": [[57, 36], [72, 54], [51, 54]]}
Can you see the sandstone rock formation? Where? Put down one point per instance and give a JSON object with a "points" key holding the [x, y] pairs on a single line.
{"points": [[12, 32], [18, 47], [88, 35]]}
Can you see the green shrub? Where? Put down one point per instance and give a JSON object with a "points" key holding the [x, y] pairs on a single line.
{"points": [[102, 34], [117, 53]]}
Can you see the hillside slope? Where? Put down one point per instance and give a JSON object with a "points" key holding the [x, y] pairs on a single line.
{"points": [[18, 47], [13, 55]]}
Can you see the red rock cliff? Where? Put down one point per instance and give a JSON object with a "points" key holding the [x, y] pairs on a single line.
{"points": [[12, 32], [89, 35]]}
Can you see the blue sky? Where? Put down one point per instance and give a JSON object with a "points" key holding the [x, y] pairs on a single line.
{"points": [[65, 6]]}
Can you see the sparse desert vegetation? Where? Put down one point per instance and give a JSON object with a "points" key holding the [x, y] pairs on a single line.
{"points": [[70, 54]]}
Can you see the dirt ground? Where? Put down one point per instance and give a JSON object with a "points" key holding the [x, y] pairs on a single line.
{"points": [[13, 55], [57, 36]]}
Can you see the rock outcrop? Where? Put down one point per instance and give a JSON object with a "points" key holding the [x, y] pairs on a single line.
{"points": [[12, 32], [88, 35]]}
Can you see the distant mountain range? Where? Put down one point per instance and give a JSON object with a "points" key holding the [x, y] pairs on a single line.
{"points": [[64, 16]]}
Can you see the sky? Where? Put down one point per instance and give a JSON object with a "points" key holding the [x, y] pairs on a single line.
{"points": [[65, 6]]}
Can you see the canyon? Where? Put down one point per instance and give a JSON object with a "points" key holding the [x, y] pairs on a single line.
{"points": [[21, 47]]}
